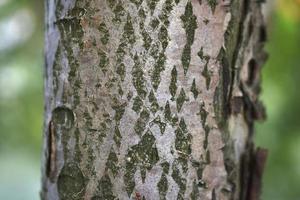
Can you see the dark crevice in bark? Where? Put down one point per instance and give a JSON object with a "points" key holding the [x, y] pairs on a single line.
{"points": [[239, 43], [257, 164], [253, 164], [50, 163], [253, 71]]}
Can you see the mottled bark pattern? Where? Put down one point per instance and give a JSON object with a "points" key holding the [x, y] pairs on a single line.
{"points": [[150, 99]]}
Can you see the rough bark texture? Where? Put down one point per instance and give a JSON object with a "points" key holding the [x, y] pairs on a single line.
{"points": [[152, 99]]}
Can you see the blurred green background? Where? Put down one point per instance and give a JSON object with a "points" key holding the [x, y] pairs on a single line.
{"points": [[21, 100], [280, 133]]}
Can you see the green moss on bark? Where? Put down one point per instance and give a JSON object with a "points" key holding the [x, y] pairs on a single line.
{"points": [[181, 182], [165, 166], [152, 99], [203, 114], [180, 100], [137, 104], [206, 74], [194, 89], [189, 21], [104, 61], [154, 23], [137, 2], [119, 12], [160, 123], [163, 37], [121, 71], [152, 4], [166, 10], [138, 78], [144, 155], [142, 121], [71, 182], [167, 112], [183, 144], [104, 33], [212, 4], [186, 58], [173, 83], [158, 68], [119, 109], [104, 188], [147, 40], [117, 136], [162, 187], [195, 191], [130, 170], [112, 162]]}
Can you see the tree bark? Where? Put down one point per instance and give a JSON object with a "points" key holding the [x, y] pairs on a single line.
{"points": [[152, 99]]}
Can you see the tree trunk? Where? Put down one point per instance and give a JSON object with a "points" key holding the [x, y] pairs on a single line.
{"points": [[152, 99]]}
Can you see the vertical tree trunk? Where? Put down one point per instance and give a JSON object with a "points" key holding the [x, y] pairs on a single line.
{"points": [[152, 99]]}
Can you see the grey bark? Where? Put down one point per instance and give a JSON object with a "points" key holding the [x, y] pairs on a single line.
{"points": [[152, 99]]}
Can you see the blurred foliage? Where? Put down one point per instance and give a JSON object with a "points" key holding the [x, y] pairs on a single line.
{"points": [[281, 132], [289, 9], [21, 100], [21, 63]]}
